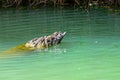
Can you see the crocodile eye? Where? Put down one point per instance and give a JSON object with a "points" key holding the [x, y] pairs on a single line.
{"points": [[48, 40]]}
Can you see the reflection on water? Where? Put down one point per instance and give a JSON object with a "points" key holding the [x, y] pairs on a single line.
{"points": [[89, 51]]}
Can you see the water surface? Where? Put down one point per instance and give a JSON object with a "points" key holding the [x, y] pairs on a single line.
{"points": [[89, 51]]}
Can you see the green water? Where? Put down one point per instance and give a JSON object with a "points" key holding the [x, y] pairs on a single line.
{"points": [[89, 51]]}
